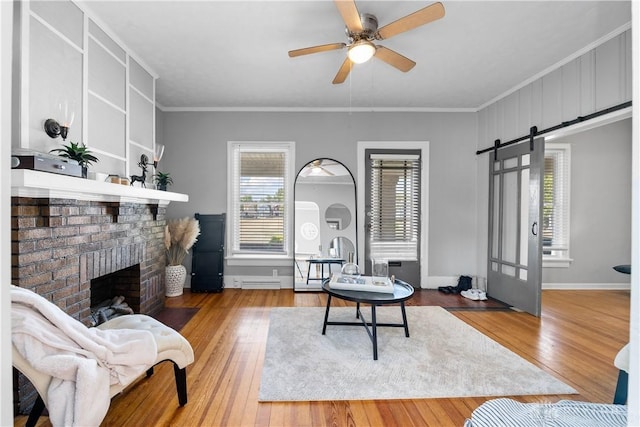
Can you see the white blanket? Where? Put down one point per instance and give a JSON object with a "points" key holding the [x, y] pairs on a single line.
{"points": [[83, 361]]}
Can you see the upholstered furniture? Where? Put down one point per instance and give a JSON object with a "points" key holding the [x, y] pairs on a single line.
{"points": [[622, 363], [139, 338]]}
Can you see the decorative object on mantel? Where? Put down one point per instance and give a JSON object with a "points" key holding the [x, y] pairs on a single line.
{"points": [[179, 236], [142, 179], [22, 158], [78, 152], [162, 180]]}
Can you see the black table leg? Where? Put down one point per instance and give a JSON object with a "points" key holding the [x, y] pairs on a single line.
{"points": [[357, 310], [404, 319], [374, 332], [326, 315]]}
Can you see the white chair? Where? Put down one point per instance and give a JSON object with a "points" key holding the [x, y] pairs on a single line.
{"points": [[171, 346]]}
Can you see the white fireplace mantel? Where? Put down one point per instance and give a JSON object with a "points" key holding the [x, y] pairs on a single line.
{"points": [[36, 184]]}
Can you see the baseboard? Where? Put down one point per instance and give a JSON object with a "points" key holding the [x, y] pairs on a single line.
{"points": [[432, 282], [258, 282], [586, 286]]}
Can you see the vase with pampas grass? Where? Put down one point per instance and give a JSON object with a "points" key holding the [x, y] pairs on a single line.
{"points": [[179, 236]]}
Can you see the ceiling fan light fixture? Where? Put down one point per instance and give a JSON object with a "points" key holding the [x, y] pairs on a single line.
{"points": [[361, 51]]}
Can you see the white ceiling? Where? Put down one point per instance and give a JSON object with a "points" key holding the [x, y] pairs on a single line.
{"points": [[232, 55]]}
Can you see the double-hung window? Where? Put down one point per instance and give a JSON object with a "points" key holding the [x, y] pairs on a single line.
{"points": [[555, 210], [259, 197]]}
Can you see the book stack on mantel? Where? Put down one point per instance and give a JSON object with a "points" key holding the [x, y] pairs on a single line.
{"points": [[361, 283]]}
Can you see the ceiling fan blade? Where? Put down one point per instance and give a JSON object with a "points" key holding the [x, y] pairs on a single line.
{"points": [[423, 16], [343, 72], [394, 59], [316, 49], [350, 15]]}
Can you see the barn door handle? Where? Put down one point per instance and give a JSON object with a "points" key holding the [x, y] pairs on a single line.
{"points": [[534, 228]]}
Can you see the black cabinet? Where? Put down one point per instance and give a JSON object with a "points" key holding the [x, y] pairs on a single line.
{"points": [[208, 255]]}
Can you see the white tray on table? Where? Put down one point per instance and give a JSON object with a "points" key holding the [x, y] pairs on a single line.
{"points": [[362, 283]]}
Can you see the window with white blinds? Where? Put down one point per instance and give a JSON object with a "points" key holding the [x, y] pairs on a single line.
{"points": [[259, 197], [555, 209], [395, 206]]}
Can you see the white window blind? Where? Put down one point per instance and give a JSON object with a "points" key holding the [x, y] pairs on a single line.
{"points": [[259, 198], [555, 211], [395, 206]]}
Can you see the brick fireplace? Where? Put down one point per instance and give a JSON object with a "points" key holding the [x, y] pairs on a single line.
{"points": [[60, 245], [67, 232]]}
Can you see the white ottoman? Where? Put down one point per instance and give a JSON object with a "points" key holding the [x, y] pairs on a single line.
{"points": [[171, 346]]}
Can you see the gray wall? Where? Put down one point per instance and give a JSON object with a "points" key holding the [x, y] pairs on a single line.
{"points": [[196, 156], [600, 222]]}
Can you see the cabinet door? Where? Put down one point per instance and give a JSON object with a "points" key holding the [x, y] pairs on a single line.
{"points": [[208, 255]]}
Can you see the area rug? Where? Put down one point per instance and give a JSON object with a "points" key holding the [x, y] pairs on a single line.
{"points": [[443, 357], [176, 317]]}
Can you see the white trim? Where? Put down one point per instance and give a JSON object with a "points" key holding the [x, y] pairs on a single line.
{"points": [[140, 93], [321, 109], [6, 115], [104, 101], [30, 183], [106, 153], [25, 52], [127, 117], [99, 43], [434, 282], [153, 119], [56, 32], [144, 147], [586, 286], [423, 146], [559, 64], [634, 320], [290, 148], [85, 78], [86, 8]]}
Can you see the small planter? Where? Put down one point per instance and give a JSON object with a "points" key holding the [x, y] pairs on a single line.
{"points": [[175, 278]]}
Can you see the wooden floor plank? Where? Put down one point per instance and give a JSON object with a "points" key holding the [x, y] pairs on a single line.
{"points": [[575, 339]]}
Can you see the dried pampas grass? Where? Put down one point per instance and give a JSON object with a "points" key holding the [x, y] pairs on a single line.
{"points": [[179, 236]]}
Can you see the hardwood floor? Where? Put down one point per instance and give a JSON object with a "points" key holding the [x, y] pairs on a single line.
{"points": [[576, 340]]}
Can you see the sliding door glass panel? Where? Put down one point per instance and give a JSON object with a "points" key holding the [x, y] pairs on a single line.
{"points": [[510, 216], [496, 218], [524, 218]]}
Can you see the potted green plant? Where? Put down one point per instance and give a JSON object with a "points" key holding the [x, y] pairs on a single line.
{"points": [[162, 180], [78, 152]]}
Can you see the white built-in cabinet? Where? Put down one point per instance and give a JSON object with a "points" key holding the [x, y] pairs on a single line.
{"points": [[67, 57]]}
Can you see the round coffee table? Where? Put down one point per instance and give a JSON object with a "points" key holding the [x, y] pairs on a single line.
{"points": [[402, 291]]}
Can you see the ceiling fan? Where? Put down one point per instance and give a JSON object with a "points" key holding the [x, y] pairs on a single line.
{"points": [[318, 167], [362, 30]]}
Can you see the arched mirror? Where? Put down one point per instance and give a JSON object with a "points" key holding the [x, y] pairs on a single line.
{"points": [[324, 222]]}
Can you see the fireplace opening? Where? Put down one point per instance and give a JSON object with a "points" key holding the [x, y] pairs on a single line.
{"points": [[115, 294]]}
